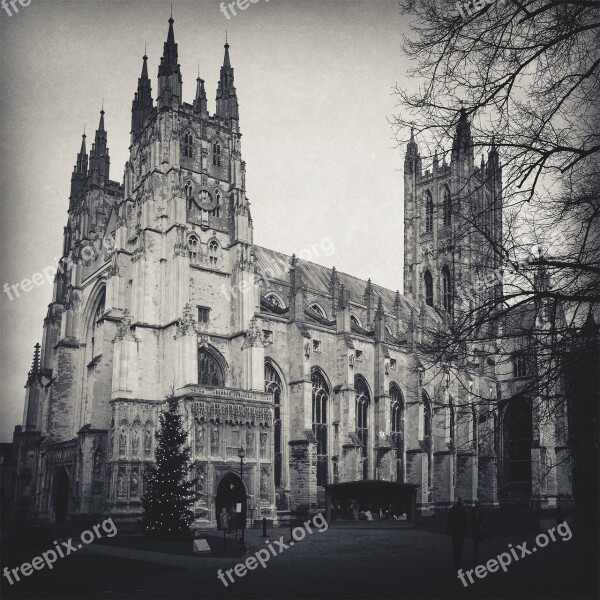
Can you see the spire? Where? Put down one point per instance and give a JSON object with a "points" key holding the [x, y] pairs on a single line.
{"points": [[200, 104], [227, 103], [79, 176], [397, 299], [412, 160], [143, 105], [169, 73], [493, 156], [379, 312], [226, 60], [462, 145], [82, 157], [35, 365], [99, 157]]}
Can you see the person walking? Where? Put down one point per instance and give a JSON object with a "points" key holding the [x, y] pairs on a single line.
{"points": [[477, 529], [457, 528]]}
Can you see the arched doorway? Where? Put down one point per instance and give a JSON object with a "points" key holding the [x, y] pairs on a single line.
{"points": [[61, 496], [231, 491]]}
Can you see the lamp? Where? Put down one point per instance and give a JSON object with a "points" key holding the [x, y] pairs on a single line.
{"points": [[242, 453]]}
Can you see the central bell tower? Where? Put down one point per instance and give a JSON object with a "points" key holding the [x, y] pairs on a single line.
{"points": [[452, 224]]}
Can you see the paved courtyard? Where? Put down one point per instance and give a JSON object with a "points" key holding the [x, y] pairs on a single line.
{"points": [[337, 563]]}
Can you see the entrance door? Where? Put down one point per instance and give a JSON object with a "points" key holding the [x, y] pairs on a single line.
{"points": [[231, 491], [61, 496]]}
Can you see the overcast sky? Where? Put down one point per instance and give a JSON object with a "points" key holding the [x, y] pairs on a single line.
{"points": [[314, 82]]}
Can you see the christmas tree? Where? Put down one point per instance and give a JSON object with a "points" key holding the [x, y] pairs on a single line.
{"points": [[169, 492]]}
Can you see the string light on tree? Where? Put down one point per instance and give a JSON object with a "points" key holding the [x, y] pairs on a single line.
{"points": [[169, 490]]}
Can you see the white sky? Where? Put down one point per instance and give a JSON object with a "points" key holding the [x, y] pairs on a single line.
{"points": [[314, 82]]}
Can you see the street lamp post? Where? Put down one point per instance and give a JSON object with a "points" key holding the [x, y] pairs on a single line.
{"points": [[242, 454]]}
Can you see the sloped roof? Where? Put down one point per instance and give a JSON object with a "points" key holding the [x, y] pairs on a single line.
{"points": [[316, 278]]}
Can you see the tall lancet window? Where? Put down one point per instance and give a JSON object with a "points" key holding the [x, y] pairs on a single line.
{"points": [[428, 280], [188, 144], [189, 194], [428, 212], [273, 385], [217, 154], [96, 326], [363, 400], [447, 289], [397, 404], [320, 400], [447, 207]]}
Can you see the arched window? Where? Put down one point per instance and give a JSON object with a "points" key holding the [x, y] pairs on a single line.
{"points": [[428, 288], [397, 404], [217, 154], [193, 246], [216, 212], [447, 289], [209, 370], [320, 398], [447, 206], [188, 144], [273, 385], [354, 319], [274, 299], [428, 212], [362, 397], [96, 325], [213, 252], [189, 194], [316, 308]]}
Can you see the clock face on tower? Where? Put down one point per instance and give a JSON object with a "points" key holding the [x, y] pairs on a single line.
{"points": [[204, 199]]}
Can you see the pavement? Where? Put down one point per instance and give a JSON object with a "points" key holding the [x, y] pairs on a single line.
{"points": [[338, 563]]}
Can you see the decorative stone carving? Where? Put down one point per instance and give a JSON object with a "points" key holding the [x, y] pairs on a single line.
{"points": [[215, 440], [124, 331], [135, 441], [264, 483], [123, 440], [199, 439], [253, 335], [232, 413], [200, 474], [134, 483], [187, 324], [121, 483], [148, 439]]}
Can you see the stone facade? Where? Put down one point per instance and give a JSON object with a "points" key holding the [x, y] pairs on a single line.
{"points": [[315, 373]]}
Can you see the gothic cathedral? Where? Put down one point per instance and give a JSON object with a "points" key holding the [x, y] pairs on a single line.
{"points": [[313, 372]]}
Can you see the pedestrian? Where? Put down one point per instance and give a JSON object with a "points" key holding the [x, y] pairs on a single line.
{"points": [[457, 528], [478, 532]]}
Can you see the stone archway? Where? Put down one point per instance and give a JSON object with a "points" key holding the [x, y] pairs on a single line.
{"points": [[230, 491]]}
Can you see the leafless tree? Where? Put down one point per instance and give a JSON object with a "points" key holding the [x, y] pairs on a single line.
{"points": [[526, 72]]}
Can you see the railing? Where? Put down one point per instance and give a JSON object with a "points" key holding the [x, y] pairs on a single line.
{"points": [[232, 393]]}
